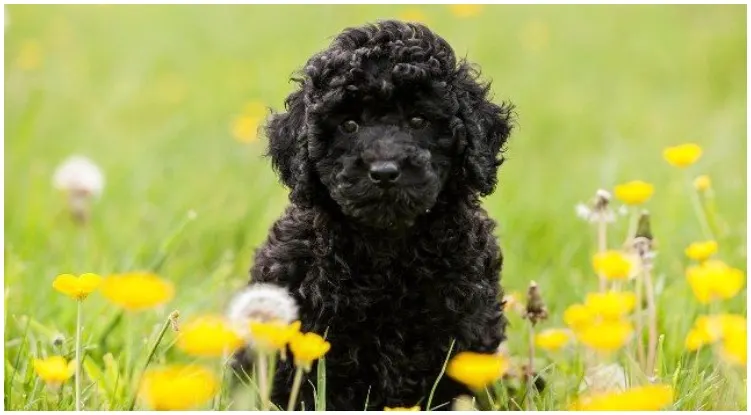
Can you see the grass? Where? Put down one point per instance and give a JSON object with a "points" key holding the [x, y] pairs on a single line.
{"points": [[149, 93]]}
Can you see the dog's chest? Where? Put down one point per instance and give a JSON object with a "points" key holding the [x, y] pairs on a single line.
{"points": [[392, 319]]}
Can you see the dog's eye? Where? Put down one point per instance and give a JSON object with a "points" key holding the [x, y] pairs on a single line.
{"points": [[349, 127], [417, 122]]}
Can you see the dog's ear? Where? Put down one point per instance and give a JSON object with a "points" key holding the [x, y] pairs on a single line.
{"points": [[285, 132], [486, 129]]}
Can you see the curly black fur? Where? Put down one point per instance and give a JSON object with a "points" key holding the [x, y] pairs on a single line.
{"points": [[391, 273]]}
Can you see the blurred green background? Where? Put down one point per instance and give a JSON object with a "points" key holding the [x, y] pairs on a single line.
{"points": [[153, 95]]}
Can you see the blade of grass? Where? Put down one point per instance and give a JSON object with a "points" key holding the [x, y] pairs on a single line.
{"points": [[440, 375]]}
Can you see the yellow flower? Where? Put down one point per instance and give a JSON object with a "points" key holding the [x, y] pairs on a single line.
{"points": [[273, 335], [735, 346], [641, 398], [476, 370], [605, 336], [245, 126], [401, 408], [413, 14], [610, 305], [683, 155], [465, 10], [634, 192], [713, 280], [54, 370], [695, 339], [177, 387], [577, 316], [701, 251], [612, 265], [77, 288], [552, 339], [308, 347], [709, 329], [30, 55], [702, 183], [209, 336], [137, 290]]}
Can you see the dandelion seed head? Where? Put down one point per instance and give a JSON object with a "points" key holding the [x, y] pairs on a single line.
{"points": [[79, 175], [603, 196], [262, 302], [583, 211], [58, 340], [611, 377]]}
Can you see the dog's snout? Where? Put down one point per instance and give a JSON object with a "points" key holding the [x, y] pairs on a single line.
{"points": [[384, 172]]}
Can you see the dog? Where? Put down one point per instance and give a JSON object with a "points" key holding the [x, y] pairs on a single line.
{"points": [[387, 145]]}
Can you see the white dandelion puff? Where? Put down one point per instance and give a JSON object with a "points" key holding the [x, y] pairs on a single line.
{"points": [[598, 210], [81, 179], [604, 378], [583, 211], [261, 302], [79, 175]]}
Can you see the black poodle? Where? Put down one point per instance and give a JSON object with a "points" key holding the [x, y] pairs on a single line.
{"points": [[387, 146]]}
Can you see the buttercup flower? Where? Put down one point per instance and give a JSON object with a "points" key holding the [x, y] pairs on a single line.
{"points": [[137, 291], [552, 339], [605, 336], [77, 288], [308, 347], [735, 346], [209, 336], [477, 370], [465, 10], [610, 305], [634, 192], [577, 316], [401, 408], [701, 251], [709, 329], [714, 280], [683, 155], [245, 126], [54, 370], [177, 387], [79, 175], [261, 302], [702, 183], [272, 335], [642, 398], [612, 265]]}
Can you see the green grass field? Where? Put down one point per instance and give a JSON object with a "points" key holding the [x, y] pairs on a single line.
{"points": [[150, 92]]}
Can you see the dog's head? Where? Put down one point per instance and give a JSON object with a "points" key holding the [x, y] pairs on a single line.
{"points": [[386, 121]]}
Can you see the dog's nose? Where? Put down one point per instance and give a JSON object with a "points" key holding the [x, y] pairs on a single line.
{"points": [[384, 172]]}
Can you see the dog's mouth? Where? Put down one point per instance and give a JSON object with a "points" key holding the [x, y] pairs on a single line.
{"points": [[385, 207]]}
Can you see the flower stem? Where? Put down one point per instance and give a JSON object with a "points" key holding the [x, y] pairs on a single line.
{"points": [[699, 210], [150, 356], [295, 389], [652, 321], [639, 323], [530, 367], [79, 328], [263, 385]]}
